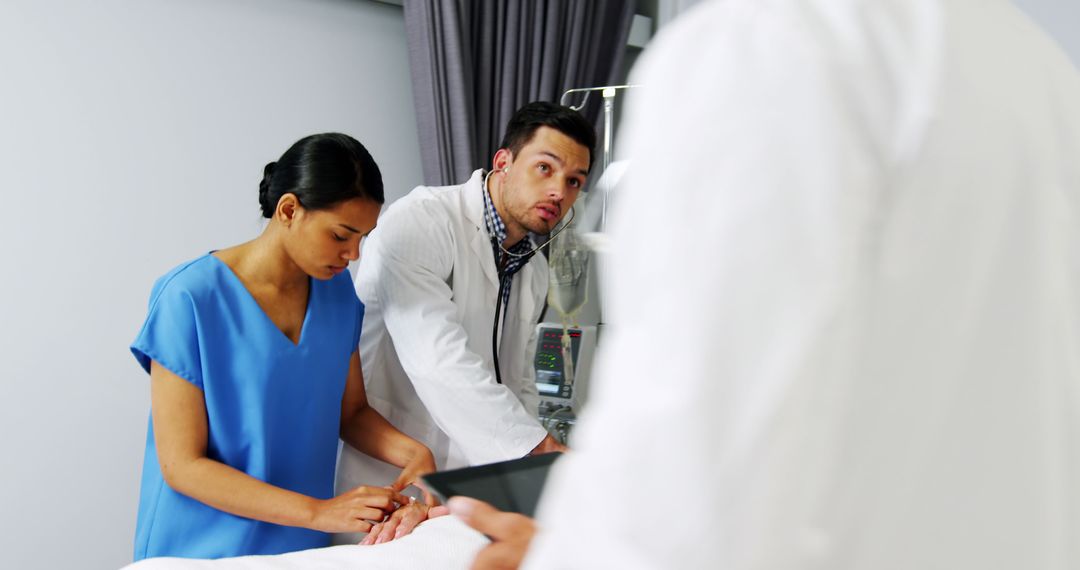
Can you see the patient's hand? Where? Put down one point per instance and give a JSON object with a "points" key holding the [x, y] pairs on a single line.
{"points": [[398, 524], [355, 510]]}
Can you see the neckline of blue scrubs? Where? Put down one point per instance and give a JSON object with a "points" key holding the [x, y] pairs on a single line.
{"points": [[281, 334]]}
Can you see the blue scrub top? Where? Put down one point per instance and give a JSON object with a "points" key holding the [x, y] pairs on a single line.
{"points": [[273, 407]]}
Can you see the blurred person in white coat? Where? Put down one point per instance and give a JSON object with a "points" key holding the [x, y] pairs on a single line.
{"points": [[857, 224], [438, 268]]}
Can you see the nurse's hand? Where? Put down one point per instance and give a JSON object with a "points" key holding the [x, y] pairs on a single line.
{"points": [[422, 463], [510, 533], [356, 510], [400, 523]]}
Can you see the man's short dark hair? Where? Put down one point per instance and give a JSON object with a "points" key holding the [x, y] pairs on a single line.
{"points": [[532, 116]]}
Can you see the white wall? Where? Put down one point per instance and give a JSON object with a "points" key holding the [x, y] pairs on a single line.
{"points": [[133, 134]]}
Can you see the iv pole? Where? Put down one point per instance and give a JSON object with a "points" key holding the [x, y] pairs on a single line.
{"points": [[608, 93]]}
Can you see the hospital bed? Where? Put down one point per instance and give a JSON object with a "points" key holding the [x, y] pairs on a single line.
{"points": [[444, 542]]}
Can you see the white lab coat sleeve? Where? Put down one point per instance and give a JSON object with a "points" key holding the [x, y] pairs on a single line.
{"points": [[485, 419]]}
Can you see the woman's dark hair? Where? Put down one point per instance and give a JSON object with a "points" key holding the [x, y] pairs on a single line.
{"points": [[321, 170], [526, 120]]}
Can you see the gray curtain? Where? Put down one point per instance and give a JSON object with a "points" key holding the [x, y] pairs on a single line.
{"points": [[474, 62]]}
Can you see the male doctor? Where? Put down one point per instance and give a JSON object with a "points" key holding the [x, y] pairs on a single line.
{"points": [[441, 264]]}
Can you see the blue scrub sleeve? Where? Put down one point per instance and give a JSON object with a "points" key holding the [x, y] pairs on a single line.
{"points": [[170, 334], [359, 324]]}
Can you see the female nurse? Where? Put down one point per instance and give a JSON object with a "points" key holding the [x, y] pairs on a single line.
{"points": [[254, 376]]}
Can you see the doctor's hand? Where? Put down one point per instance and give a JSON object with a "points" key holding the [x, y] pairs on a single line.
{"points": [[356, 510], [510, 533], [548, 445]]}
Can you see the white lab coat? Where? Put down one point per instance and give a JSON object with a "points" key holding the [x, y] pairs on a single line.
{"points": [[428, 281], [845, 300]]}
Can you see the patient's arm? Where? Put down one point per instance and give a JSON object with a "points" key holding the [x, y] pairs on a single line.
{"points": [[180, 434]]}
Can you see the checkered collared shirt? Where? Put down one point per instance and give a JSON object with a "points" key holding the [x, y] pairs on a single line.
{"points": [[507, 265]]}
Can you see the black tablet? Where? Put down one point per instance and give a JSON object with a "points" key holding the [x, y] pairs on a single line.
{"points": [[512, 486]]}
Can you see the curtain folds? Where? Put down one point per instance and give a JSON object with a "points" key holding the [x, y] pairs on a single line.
{"points": [[474, 62]]}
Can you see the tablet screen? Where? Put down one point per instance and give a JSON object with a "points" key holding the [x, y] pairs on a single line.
{"points": [[512, 486]]}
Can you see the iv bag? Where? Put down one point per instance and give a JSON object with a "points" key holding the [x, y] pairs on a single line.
{"points": [[568, 285]]}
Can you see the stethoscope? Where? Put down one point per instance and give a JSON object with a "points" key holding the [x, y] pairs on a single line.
{"points": [[501, 270]]}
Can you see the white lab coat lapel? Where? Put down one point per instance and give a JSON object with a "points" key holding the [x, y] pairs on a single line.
{"points": [[473, 200]]}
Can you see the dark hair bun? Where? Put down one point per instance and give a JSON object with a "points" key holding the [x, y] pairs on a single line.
{"points": [[264, 191], [321, 171]]}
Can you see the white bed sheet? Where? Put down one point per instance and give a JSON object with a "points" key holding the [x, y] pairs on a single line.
{"points": [[444, 542]]}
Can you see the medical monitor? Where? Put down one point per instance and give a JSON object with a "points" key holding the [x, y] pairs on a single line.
{"points": [[548, 364]]}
